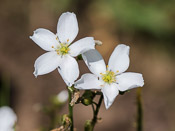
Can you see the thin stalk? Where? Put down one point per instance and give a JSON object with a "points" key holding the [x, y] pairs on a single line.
{"points": [[93, 108], [139, 111], [94, 120], [71, 111], [94, 103]]}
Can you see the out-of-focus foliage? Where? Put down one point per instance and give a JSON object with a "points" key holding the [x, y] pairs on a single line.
{"points": [[58, 5], [155, 17], [4, 90]]}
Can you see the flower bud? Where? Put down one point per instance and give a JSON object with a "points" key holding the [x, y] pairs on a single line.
{"points": [[88, 97], [87, 101], [66, 121], [88, 126]]}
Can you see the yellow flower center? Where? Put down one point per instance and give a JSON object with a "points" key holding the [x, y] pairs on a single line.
{"points": [[63, 49], [109, 77]]}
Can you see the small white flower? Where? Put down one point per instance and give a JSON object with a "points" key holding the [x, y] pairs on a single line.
{"points": [[63, 96], [61, 51], [7, 119], [110, 80]]}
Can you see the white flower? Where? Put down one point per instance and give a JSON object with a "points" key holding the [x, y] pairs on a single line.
{"points": [[60, 50], [110, 80], [7, 119], [63, 96]]}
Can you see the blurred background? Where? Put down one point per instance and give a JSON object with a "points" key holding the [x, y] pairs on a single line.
{"points": [[148, 27]]}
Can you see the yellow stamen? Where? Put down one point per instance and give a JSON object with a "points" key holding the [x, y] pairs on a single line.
{"points": [[109, 77], [63, 49]]}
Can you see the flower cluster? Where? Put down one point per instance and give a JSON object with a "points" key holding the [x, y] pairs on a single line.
{"points": [[109, 79]]}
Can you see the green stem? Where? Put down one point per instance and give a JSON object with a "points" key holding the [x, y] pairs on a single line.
{"points": [[71, 111], [93, 108], [139, 110], [94, 120]]}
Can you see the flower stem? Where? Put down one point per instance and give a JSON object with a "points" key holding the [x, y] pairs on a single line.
{"points": [[139, 110], [71, 110], [95, 118]]}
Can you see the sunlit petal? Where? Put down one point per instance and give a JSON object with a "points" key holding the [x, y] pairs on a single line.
{"points": [[67, 28], [129, 80], [82, 46], [88, 81], [45, 39], [109, 92], [69, 69], [46, 63], [119, 60]]}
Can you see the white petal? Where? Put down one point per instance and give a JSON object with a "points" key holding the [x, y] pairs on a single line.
{"points": [[109, 92], [129, 80], [45, 39], [82, 46], [7, 118], [119, 60], [94, 61], [69, 70], [88, 81], [67, 28], [46, 63]]}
